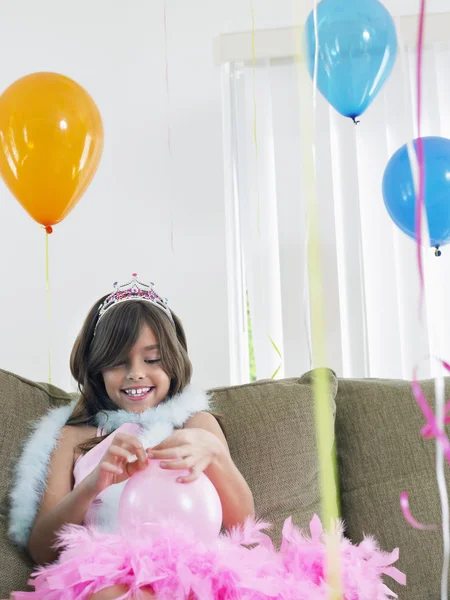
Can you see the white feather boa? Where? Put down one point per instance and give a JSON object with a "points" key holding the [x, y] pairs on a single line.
{"points": [[32, 469]]}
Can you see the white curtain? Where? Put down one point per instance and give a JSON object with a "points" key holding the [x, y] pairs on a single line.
{"points": [[371, 284]]}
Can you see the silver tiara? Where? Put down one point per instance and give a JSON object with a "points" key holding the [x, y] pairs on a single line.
{"points": [[133, 290]]}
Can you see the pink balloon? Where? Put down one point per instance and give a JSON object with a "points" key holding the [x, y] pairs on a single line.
{"points": [[154, 495]]}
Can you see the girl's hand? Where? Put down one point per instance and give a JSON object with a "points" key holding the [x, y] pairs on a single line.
{"points": [[115, 465], [192, 449]]}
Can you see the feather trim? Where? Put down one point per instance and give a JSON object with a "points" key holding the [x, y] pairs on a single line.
{"points": [[176, 410], [32, 469], [31, 472]]}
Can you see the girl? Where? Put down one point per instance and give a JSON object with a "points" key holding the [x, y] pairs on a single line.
{"points": [[131, 363], [130, 359]]}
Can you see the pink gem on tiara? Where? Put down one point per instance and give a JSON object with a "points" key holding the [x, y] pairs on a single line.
{"points": [[134, 290]]}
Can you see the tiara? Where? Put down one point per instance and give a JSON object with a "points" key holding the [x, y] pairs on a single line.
{"points": [[134, 290]]}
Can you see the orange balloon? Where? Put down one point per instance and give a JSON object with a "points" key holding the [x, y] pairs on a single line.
{"points": [[51, 142]]}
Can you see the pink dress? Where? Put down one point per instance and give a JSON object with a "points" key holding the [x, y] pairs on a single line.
{"points": [[86, 463], [103, 512], [177, 566]]}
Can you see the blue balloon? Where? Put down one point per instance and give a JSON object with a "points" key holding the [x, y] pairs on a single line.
{"points": [[357, 52], [400, 196]]}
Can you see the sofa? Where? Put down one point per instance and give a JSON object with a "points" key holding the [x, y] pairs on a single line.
{"points": [[271, 433]]}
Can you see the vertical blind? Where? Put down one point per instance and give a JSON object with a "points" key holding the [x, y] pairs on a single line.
{"points": [[371, 284]]}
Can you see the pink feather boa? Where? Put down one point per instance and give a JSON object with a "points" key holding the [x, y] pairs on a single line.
{"points": [[178, 566]]}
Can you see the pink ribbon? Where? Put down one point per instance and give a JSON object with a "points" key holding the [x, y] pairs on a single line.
{"points": [[404, 504], [429, 430]]}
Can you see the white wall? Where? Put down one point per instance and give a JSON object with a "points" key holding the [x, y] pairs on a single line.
{"points": [[116, 50]]}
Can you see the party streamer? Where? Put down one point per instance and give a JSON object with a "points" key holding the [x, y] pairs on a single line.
{"points": [[435, 425], [404, 504], [277, 350], [435, 428], [169, 130], [48, 230], [440, 475], [255, 140], [321, 385], [255, 127], [420, 156]]}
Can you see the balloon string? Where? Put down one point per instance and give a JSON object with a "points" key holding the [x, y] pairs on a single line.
{"points": [[435, 424], [255, 122], [47, 292], [420, 155], [435, 428], [255, 141], [169, 129]]}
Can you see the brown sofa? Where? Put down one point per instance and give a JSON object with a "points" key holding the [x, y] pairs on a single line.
{"points": [[271, 433]]}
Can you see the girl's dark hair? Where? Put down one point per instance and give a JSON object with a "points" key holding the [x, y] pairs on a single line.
{"points": [[115, 335]]}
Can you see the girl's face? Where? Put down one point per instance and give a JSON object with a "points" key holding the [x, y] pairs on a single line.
{"points": [[140, 382]]}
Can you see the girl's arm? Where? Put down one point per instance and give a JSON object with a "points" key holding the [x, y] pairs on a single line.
{"points": [[60, 504], [234, 492], [201, 447]]}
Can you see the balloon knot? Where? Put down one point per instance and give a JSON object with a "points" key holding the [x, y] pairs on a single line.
{"points": [[355, 121], [49, 229], [437, 252]]}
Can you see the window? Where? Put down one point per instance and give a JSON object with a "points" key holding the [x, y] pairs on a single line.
{"points": [[369, 269]]}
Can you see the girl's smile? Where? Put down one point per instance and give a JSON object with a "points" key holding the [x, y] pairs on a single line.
{"points": [[136, 394]]}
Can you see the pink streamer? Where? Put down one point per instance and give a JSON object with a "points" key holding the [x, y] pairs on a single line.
{"points": [[427, 430], [430, 430], [404, 503]]}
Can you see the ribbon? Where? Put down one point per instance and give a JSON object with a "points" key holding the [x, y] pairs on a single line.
{"points": [[48, 231], [169, 129], [404, 504]]}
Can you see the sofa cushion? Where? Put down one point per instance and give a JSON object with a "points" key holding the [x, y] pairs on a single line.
{"points": [[21, 403], [270, 428], [381, 454]]}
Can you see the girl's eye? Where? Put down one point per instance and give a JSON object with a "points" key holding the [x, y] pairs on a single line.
{"points": [[153, 361]]}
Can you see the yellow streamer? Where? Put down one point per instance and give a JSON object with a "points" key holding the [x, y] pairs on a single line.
{"points": [[169, 129], [255, 122], [277, 350], [47, 290], [321, 382], [255, 128], [322, 396], [322, 389], [255, 139]]}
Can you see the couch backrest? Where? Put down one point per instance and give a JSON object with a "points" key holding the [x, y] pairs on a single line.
{"points": [[21, 403], [270, 429], [380, 454]]}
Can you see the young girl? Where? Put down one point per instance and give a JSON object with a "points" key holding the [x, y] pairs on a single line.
{"points": [[136, 404]]}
